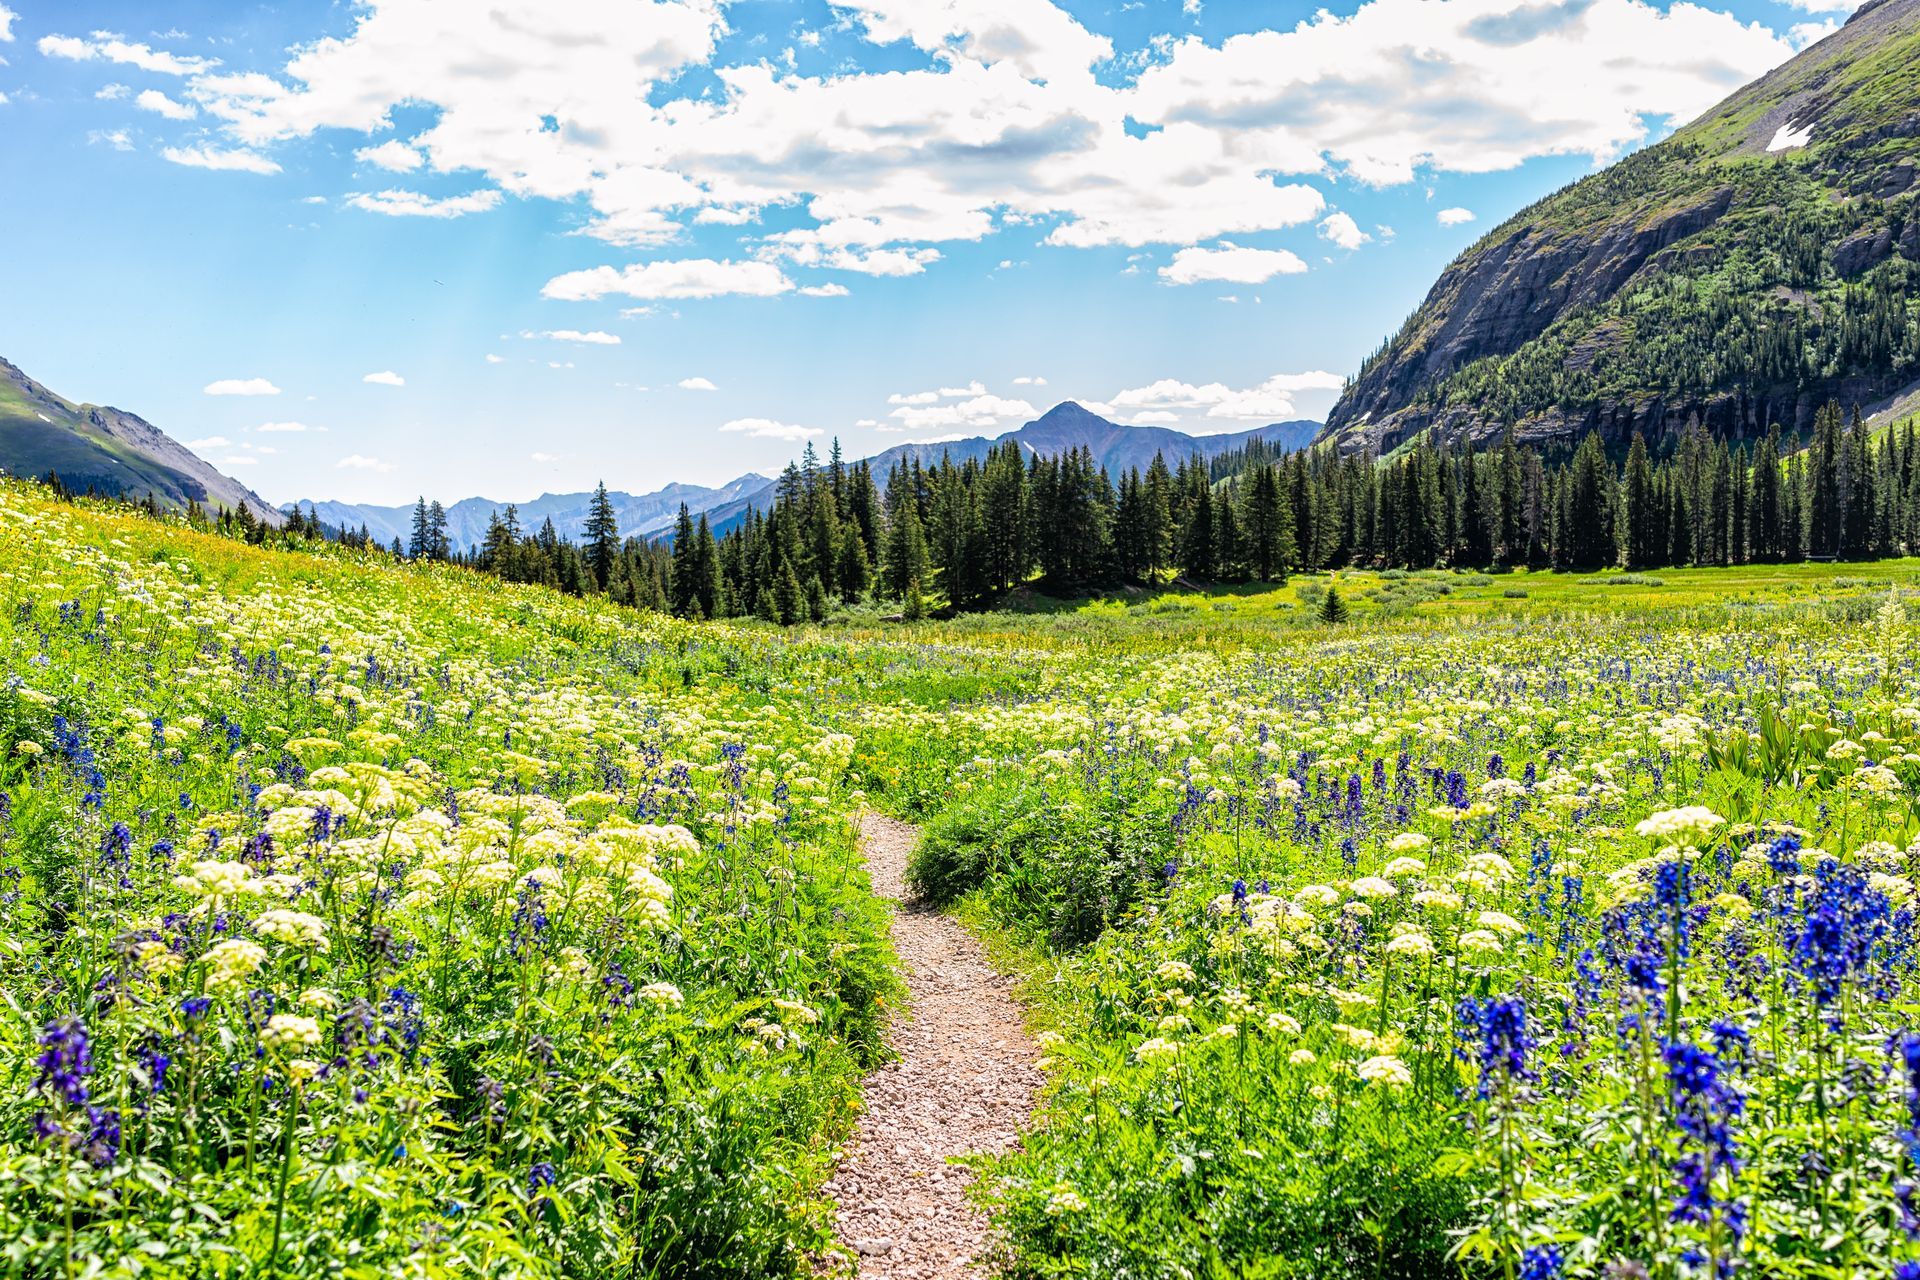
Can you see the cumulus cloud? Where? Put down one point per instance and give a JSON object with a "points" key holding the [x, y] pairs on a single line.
{"points": [[686, 278], [494, 359], [361, 462], [1029, 382], [1272, 400], [7, 18], [1011, 116], [1342, 230], [241, 387], [824, 291], [277, 428], [394, 156], [161, 105], [1455, 217], [105, 46], [1231, 263], [235, 161], [385, 378], [1469, 85], [412, 204], [977, 411], [696, 384], [594, 338], [768, 429]]}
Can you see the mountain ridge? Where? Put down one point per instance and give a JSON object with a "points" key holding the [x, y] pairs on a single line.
{"points": [[109, 451], [1066, 425], [1759, 262]]}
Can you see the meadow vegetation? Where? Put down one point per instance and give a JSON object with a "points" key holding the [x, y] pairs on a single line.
{"points": [[374, 919]]}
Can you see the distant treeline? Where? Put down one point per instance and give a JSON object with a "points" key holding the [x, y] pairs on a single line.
{"points": [[962, 535]]}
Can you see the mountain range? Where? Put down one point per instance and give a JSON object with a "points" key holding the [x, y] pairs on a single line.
{"points": [[1762, 260], [108, 451], [1066, 426]]}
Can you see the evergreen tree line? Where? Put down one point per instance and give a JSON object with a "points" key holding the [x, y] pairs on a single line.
{"points": [[966, 533]]}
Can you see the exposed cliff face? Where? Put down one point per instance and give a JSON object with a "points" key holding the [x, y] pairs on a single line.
{"points": [[1763, 260]]}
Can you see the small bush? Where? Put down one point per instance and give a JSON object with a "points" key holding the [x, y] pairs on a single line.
{"points": [[1515, 593]]}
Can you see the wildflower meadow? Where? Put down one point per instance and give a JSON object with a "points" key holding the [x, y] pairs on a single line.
{"points": [[371, 920]]}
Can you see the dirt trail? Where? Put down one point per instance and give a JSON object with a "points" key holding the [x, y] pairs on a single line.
{"points": [[964, 1081]]}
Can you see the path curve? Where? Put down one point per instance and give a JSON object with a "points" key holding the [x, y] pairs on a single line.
{"points": [[964, 1082]]}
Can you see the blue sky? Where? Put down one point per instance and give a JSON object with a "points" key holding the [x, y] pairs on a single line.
{"points": [[363, 250]]}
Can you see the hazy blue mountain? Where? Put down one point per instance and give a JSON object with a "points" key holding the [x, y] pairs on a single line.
{"points": [[643, 515], [1065, 426], [108, 451]]}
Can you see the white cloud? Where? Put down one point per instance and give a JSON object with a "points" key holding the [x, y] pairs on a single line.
{"points": [[824, 291], [1826, 6], [161, 105], [412, 204], [237, 161], [360, 462], [1029, 382], [494, 359], [973, 388], [118, 139], [111, 92], [768, 429], [686, 278], [594, 338], [1342, 230], [210, 442], [980, 411], [1455, 217], [7, 19], [1467, 85], [1005, 124], [394, 156], [1232, 263], [112, 48], [385, 378], [241, 387], [696, 384], [286, 428], [1270, 401]]}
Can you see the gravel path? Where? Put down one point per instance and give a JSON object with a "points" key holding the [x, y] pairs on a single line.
{"points": [[964, 1081]]}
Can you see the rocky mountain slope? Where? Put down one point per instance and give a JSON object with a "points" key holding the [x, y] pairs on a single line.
{"points": [[108, 451], [1761, 261]]}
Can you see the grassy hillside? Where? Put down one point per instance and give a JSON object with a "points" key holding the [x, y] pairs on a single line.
{"points": [[107, 451]]}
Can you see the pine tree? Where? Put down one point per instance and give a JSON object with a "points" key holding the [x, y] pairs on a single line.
{"points": [[603, 534], [1333, 610], [420, 545]]}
